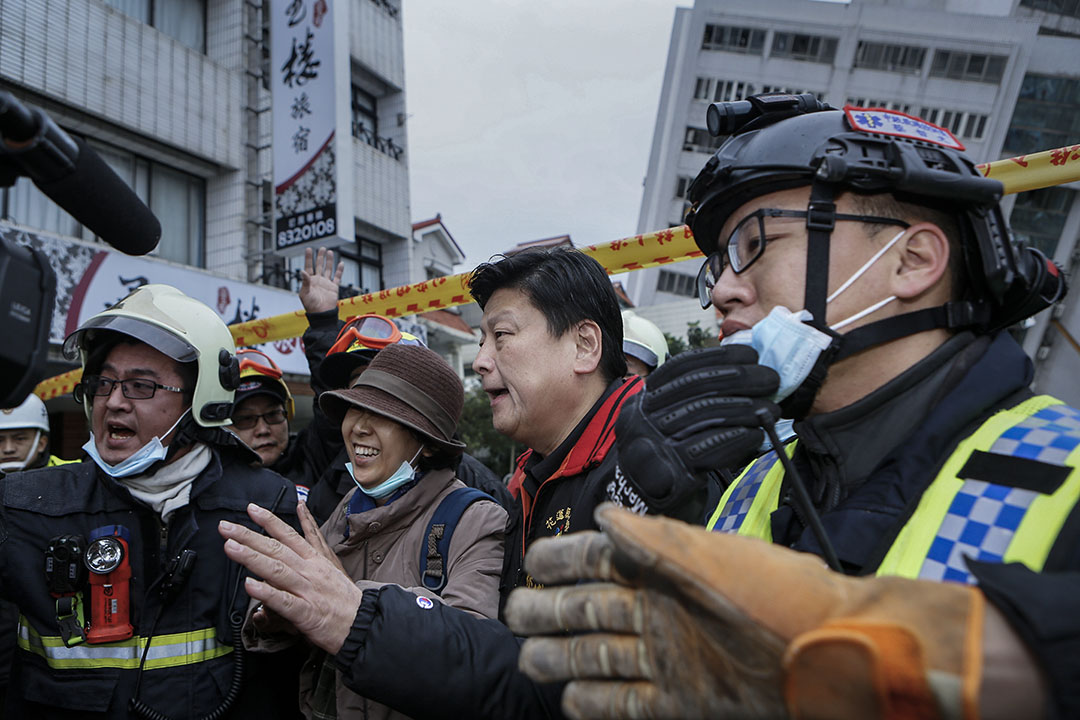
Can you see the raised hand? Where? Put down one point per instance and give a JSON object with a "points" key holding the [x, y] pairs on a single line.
{"points": [[320, 280]]}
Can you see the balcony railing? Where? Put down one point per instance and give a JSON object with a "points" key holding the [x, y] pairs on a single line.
{"points": [[383, 144]]}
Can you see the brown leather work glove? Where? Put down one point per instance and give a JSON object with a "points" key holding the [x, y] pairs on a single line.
{"points": [[685, 623]]}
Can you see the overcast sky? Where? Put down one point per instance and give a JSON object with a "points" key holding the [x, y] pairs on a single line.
{"points": [[532, 119]]}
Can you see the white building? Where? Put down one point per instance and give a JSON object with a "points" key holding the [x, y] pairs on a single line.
{"points": [[1000, 74], [174, 94]]}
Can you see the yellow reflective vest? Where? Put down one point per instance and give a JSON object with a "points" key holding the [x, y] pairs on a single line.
{"points": [[1001, 496]]}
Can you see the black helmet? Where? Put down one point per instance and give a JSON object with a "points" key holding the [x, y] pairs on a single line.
{"points": [[782, 141]]}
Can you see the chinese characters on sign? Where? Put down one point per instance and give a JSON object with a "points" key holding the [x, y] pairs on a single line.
{"points": [[308, 179]]}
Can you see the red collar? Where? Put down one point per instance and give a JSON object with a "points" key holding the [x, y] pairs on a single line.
{"points": [[589, 450]]}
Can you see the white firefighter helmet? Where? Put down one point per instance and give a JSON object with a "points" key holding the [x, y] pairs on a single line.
{"points": [[30, 414], [643, 340], [180, 327]]}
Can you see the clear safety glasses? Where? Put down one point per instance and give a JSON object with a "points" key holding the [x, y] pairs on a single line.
{"points": [[747, 243]]}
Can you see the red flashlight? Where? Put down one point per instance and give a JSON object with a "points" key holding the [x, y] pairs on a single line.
{"points": [[110, 575]]}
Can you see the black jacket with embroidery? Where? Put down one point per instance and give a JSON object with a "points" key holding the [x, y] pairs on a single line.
{"points": [[557, 494]]}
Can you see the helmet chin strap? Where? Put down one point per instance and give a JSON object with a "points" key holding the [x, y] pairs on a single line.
{"points": [[16, 465], [820, 221]]}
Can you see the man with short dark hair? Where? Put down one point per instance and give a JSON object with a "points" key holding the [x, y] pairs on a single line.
{"points": [[551, 362]]}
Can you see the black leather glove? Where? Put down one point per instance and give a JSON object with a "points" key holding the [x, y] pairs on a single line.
{"points": [[696, 415]]}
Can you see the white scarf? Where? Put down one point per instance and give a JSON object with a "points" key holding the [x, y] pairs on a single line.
{"points": [[169, 488]]}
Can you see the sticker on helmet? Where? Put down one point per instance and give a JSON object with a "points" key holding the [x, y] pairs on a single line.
{"points": [[894, 122], [424, 602]]}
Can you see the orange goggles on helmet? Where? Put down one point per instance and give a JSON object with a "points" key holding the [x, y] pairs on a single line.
{"points": [[366, 332], [256, 362]]}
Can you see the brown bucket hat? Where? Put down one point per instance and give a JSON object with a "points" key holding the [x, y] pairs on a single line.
{"points": [[409, 384]]}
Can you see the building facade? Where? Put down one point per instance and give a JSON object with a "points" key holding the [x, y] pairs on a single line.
{"points": [[1000, 74], [175, 96]]}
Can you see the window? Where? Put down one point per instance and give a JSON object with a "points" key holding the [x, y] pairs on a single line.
{"points": [[968, 66], [182, 20], [812, 48], [891, 58], [787, 90], [971, 126], [729, 38], [370, 263], [365, 123], [699, 140], [701, 88], [1038, 216], [681, 185], [176, 198], [1046, 116], [1058, 7], [884, 104], [677, 284], [729, 90]]}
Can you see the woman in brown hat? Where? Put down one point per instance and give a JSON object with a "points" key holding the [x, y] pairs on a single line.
{"points": [[398, 420]]}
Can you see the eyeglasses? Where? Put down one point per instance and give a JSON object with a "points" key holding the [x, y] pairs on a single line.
{"points": [[747, 243], [246, 422], [366, 332], [133, 388], [249, 360]]}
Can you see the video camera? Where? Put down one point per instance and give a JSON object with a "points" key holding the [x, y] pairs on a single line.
{"points": [[75, 177]]}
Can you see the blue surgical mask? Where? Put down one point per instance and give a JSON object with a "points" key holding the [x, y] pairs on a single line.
{"points": [[784, 432], [138, 461], [789, 346], [401, 476]]}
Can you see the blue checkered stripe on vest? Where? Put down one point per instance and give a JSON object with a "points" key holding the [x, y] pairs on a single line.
{"points": [[983, 517], [742, 497]]}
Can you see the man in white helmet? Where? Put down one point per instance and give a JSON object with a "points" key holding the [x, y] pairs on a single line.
{"points": [[153, 626], [24, 437], [24, 445]]}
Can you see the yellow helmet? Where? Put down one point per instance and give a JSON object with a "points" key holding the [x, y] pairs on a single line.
{"points": [[180, 327]]}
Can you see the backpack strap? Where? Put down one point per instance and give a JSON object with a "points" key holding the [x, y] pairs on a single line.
{"points": [[439, 531]]}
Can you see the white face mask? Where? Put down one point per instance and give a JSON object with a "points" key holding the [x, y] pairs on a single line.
{"points": [[135, 463], [789, 346], [401, 476], [16, 465]]}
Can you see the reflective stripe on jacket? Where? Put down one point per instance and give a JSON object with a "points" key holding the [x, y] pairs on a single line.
{"points": [[170, 650], [1030, 448]]}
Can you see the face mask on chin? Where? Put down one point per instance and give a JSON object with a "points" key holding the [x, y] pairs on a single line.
{"points": [[401, 476], [136, 463], [787, 344]]}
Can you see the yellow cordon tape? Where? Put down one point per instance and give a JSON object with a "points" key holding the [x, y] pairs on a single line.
{"points": [[1018, 174], [1039, 170]]}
